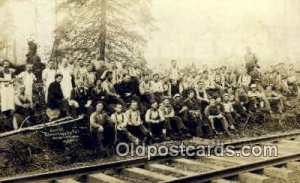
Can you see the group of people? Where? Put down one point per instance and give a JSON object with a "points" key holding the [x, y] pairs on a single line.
{"points": [[125, 101]]}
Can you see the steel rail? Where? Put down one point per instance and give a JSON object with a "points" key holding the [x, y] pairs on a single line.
{"points": [[85, 170], [235, 170]]}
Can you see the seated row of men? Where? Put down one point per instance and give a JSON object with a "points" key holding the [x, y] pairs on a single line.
{"points": [[84, 101]]}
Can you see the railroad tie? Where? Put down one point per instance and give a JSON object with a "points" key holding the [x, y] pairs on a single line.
{"points": [[254, 178], [221, 181], [196, 165], [233, 160], [281, 173], [290, 142], [152, 176], [168, 169], [295, 165], [101, 177], [69, 180]]}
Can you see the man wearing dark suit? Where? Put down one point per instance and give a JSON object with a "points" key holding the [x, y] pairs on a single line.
{"points": [[55, 98]]}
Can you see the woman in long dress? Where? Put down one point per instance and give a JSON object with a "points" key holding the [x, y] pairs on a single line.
{"points": [[7, 89], [66, 83]]}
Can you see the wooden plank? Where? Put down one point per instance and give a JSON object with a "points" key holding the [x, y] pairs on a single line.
{"points": [[196, 164], [255, 178], [281, 173], [41, 126], [68, 180], [168, 169], [221, 181], [152, 176], [101, 177]]}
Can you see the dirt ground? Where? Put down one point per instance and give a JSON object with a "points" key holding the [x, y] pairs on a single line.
{"points": [[27, 153]]}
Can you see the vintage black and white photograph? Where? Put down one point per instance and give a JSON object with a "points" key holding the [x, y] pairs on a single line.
{"points": [[121, 91]]}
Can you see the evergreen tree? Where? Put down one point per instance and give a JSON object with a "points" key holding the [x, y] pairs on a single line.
{"points": [[116, 29]]}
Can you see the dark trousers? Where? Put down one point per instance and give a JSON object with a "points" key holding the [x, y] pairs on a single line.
{"points": [[230, 118], [81, 110], [194, 124], [174, 124], [139, 131], [125, 136], [157, 128], [105, 138], [22, 113]]}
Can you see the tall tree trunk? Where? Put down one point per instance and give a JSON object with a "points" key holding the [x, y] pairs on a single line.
{"points": [[102, 40]]}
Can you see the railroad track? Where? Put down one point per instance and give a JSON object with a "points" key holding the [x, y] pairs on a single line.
{"points": [[283, 168]]}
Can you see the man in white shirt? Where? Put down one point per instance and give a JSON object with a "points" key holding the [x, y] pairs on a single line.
{"points": [[27, 78], [48, 75], [157, 87]]}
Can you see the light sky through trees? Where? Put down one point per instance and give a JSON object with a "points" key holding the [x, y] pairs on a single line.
{"points": [[199, 31]]}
